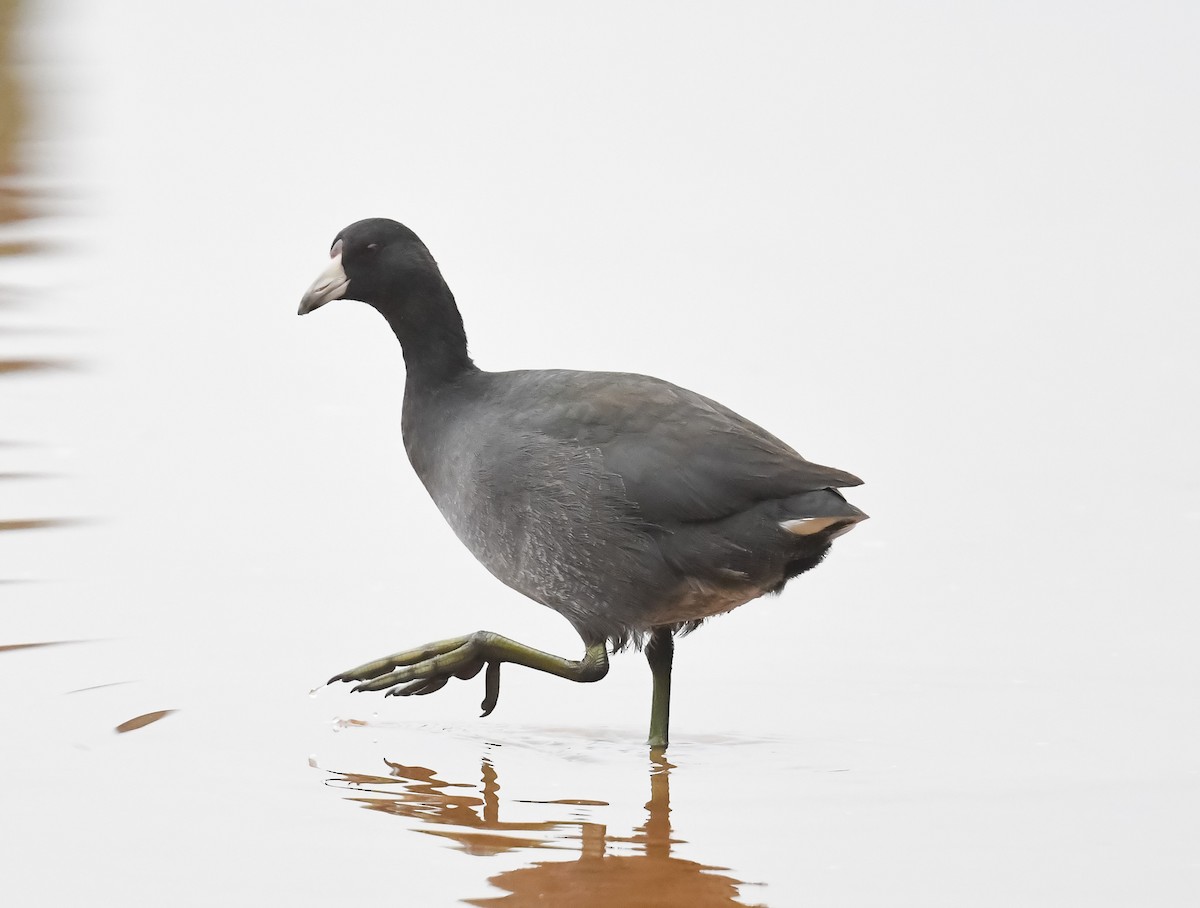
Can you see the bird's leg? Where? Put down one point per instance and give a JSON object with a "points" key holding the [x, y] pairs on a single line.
{"points": [[660, 652], [428, 668]]}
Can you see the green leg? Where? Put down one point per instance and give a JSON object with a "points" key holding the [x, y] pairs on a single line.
{"points": [[428, 668], [660, 652]]}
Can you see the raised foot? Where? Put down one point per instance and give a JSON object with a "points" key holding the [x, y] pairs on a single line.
{"points": [[429, 668]]}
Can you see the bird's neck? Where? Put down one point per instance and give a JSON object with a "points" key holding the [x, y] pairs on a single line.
{"points": [[430, 330]]}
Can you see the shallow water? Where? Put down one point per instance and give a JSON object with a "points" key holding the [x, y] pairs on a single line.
{"points": [[968, 281]]}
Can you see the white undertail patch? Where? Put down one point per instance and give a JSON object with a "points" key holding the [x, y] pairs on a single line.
{"points": [[810, 526]]}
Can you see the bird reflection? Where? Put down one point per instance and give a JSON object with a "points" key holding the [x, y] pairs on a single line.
{"points": [[638, 869]]}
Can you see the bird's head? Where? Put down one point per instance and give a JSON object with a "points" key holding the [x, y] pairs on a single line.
{"points": [[377, 261]]}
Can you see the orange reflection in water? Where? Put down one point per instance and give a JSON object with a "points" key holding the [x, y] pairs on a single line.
{"points": [[142, 721], [469, 814]]}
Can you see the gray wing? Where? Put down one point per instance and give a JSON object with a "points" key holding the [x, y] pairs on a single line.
{"points": [[680, 456]]}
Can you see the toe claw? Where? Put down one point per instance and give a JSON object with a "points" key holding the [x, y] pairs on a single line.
{"points": [[431, 687], [491, 689], [426, 669], [364, 686], [418, 688]]}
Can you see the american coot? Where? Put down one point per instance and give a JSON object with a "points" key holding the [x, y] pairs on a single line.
{"points": [[634, 508]]}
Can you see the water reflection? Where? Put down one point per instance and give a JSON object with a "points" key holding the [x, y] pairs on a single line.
{"points": [[19, 206], [37, 523], [140, 721], [7, 647], [610, 870], [12, 118], [25, 365]]}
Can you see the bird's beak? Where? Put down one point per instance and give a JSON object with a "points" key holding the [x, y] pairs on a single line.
{"points": [[330, 285]]}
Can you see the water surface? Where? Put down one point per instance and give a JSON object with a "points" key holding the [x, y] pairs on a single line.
{"points": [[953, 253]]}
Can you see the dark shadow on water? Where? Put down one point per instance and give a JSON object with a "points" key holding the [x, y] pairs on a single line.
{"points": [[609, 870]]}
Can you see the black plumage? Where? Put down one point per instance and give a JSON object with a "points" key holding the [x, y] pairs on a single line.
{"points": [[627, 504]]}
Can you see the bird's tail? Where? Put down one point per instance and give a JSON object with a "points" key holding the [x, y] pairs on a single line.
{"points": [[823, 512]]}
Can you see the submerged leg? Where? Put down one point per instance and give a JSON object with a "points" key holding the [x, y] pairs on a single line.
{"points": [[428, 668], [660, 652]]}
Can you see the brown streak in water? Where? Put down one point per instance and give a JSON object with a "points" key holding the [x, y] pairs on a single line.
{"points": [[4, 648], [21, 247], [37, 524], [572, 802], [30, 365], [12, 118], [597, 879], [82, 690], [142, 721]]}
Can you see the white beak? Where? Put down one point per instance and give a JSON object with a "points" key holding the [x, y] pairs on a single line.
{"points": [[330, 285]]}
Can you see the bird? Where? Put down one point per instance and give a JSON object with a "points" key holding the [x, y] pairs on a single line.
{"points": [[633, 507]]}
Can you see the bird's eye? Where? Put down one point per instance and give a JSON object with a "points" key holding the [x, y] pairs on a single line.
{"points": [[371, 247]]}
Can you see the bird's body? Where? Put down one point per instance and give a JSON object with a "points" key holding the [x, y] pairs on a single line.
{"points": [[629, 505], [621, 501]]}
